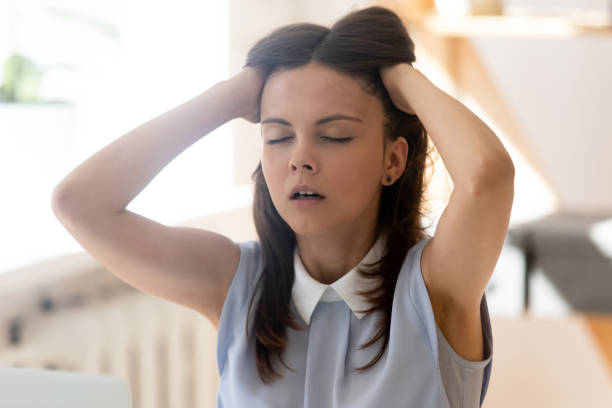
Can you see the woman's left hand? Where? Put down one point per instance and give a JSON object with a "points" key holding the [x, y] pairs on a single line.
{"points": [[392, 79]]}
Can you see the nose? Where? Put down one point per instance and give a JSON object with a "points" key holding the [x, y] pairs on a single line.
{"points": [[302, 160], [295, 166]]}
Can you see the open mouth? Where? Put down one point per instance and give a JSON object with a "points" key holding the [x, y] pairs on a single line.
{"points": [[308, 196]]}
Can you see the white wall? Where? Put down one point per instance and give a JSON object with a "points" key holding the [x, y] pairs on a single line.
{"points": [[560, 92], [159, 55]]}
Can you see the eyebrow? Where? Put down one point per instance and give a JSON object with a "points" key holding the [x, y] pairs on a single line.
{"points": [[317, 123]]}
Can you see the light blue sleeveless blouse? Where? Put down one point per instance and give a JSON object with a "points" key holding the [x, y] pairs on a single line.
{"points": [[419, 368]]}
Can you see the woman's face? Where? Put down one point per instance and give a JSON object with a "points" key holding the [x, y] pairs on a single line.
{"points": [[296, 150]]}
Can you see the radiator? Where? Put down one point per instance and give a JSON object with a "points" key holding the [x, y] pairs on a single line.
{"points": [[166, 352]]}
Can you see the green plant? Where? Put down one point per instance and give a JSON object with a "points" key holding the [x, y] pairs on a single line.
{"points": [[22, 78]]}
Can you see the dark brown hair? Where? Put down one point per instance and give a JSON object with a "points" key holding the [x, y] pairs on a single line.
{"points": [[357, 45]]}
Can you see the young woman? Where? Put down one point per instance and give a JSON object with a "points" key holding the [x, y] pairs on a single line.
{"points": [[343, 301]]}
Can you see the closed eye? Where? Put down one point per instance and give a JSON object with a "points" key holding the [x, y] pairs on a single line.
{"points": [[332, 139], [277, 140], [338, 140]]}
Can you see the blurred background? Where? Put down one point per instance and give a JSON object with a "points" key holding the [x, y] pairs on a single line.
{"points": [[77, 75]]}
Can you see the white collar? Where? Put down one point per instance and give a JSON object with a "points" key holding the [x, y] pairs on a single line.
{"points": [[307, 291]]}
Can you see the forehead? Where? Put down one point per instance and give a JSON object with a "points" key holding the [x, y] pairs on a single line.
{"points": [[313, 90]]}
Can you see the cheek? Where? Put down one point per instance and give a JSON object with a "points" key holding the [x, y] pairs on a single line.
{"points": [[272, 173], [357, 176]]}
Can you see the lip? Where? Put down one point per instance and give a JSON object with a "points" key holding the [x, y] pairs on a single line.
{"points": [[304, 187], [307, 202]]}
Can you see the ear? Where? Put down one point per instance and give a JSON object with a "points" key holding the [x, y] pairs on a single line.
{"points": [[396, 155]]}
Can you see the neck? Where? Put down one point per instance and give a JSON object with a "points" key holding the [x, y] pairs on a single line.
{"points": [[329, 258]]}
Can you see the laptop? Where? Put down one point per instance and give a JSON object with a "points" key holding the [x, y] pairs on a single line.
{"points": [[38, 388]]}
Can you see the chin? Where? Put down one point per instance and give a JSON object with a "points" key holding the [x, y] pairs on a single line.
{"points": [[305, 230], [305, 224], [305, 227]]}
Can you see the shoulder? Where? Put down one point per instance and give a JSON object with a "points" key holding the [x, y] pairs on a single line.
{"points": [[239, 284], [249, 266], [410, 271], [238, 294]]}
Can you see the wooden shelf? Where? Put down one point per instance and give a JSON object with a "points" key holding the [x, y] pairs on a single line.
{"points": [[515, 26], [505, 25]]}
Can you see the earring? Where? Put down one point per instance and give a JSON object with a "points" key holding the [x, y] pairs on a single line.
{"points": [[388, 178]]}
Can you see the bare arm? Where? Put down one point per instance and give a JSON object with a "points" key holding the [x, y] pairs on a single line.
{"points": [[188, 266], [110, 179], [458, 261]]}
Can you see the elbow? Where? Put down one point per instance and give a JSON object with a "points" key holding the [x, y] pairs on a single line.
{"points": [[492, 174], [63, 203], [59, 201]]}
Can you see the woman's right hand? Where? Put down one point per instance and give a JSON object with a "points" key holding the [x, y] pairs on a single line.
{"points": [[247, 85]]}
